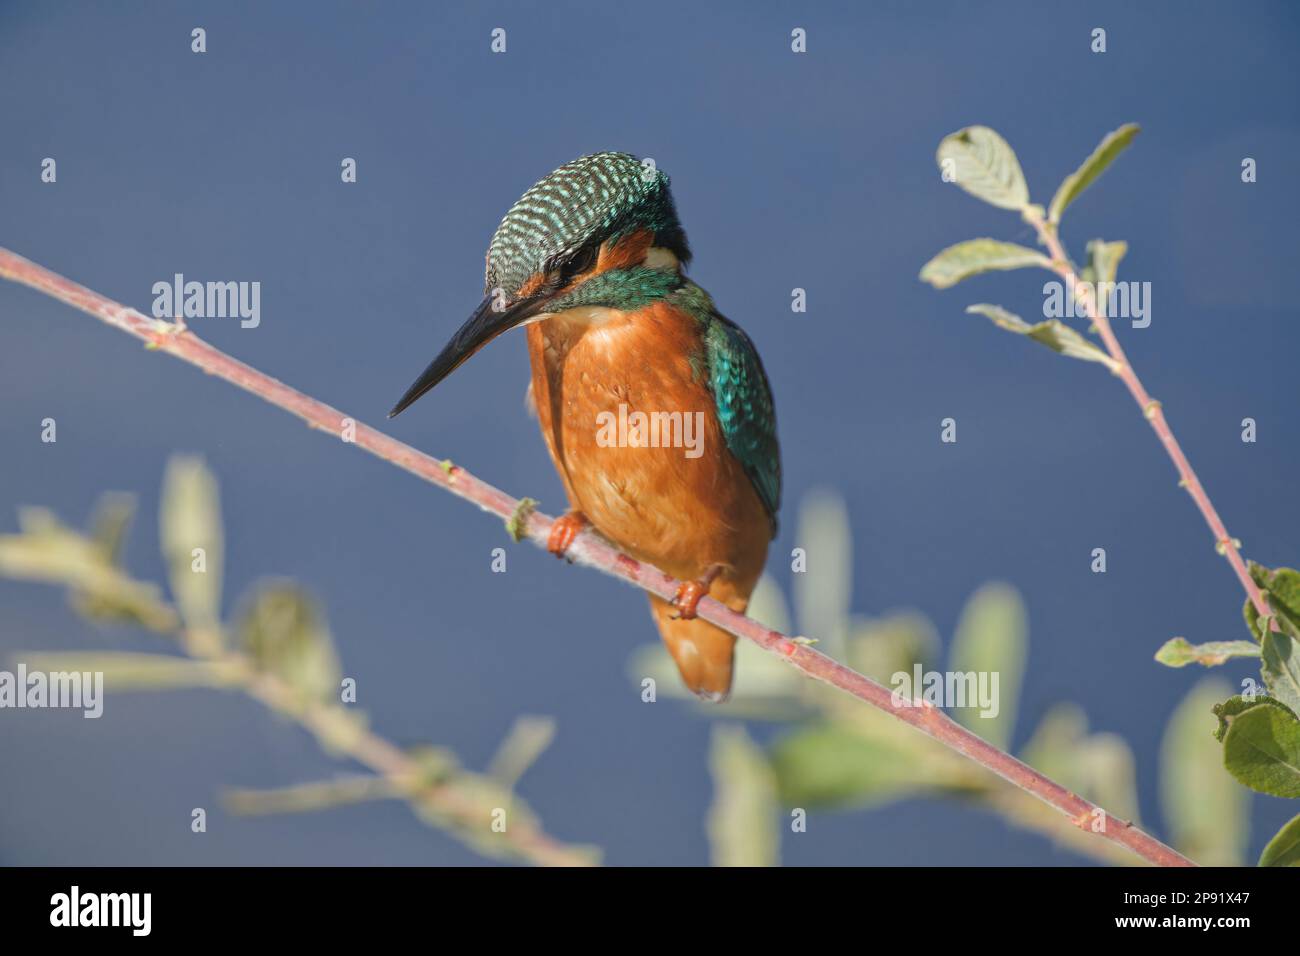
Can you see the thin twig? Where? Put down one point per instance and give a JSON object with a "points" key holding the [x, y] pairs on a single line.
{"points": [[318, 795], [461, 805], [590, 550], [336, 726], [1151, 410]]}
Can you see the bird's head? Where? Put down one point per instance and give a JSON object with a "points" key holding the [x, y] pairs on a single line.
{"points": [[603, 214]]}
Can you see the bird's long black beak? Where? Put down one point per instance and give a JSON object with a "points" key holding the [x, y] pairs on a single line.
{"points": [[488, 321]]}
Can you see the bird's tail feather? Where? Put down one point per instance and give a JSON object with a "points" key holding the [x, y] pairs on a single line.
{"points": [[703, 651]]}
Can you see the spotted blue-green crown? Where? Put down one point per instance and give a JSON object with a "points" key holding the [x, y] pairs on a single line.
{"points": [[580, 205]]}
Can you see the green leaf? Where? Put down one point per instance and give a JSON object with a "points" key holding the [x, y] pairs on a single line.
{"points": [[318, 795], [1099, 767], [1079, 180], [965, 259], [528, 738], [436, 765], [48, 550], [1262, 750], [985, 165], [1284, 848], [1259, 574], [1282, 591], [125, 671], [111, 522], [767, 606], [743, 818], [1053, 333], [765, 686], [830, 766], [283, 631], [823, 592], [1179, 652], [1103, 261], [1281, 668], [1204, 809], [1109, 774], [991, 639], [1051, 750], [1234, 706], [882, 647], [190, 527], [1251, 617]]}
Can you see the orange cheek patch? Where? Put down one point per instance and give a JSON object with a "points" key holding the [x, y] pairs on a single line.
{"points": [[628, 251]]}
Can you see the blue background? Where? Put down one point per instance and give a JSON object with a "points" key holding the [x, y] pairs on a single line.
{"points": [[814, 171]]}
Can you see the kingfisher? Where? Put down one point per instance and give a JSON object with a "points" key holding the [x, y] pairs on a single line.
{"points": [[592, 262]]}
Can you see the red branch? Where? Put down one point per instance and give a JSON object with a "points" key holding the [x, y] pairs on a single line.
{"points": [[588, 549], [1226, 545]]}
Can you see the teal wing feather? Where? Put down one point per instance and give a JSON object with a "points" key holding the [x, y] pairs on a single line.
{"points": [[745, 409]]}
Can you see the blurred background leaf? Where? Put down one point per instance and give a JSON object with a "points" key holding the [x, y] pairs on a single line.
{"points": [[110, 523], [991, 639], [527, 740], [1099, 767], [283, 631], [823, 592], [743, 819], [885, 646], [47, 550], [1206, 811], [317, 795], [1103, 259], [126, 671], [190, 519], [832, 766], [1109, 773], [1059, 734]]}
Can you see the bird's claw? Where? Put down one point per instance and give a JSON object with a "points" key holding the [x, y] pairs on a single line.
{"points": [[564, 530], [690, 593], [687, 599]]}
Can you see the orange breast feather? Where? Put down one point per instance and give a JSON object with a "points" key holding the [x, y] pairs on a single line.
{"points": [[682, 513]]}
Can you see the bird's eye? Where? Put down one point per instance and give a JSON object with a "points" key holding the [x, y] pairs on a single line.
{"points": [[578, 263]]}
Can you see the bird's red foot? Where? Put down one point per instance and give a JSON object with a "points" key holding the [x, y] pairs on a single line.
{"points": [[563, 530], [690, 593]]}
